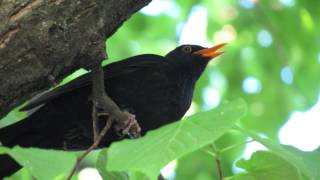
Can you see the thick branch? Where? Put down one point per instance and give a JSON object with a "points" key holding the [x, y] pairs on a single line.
{"points": [[43, 41]]}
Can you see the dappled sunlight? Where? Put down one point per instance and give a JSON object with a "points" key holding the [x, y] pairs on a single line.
{"points": [[211, 98], [89, 174], [251, 85], [302, 129], [168, 171], [192, 109], [195, 29], [158, 7], [288, 3], [248, 4], [271, 61], [264, 38], [286, 75], [251, 148], [227, 34]]}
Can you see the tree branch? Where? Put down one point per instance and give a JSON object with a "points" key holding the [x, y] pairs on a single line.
{"points": [[43, 41]]}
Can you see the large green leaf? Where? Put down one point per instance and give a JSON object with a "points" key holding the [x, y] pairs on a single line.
{"points": [[43, 164], [308, 163], [196, 164], [101, 163], [115, 175], [265, 165], [150, 153], [201, 164], [22, 174]]}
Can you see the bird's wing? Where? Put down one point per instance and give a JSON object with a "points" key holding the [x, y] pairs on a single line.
{"points": [[112, 70]]}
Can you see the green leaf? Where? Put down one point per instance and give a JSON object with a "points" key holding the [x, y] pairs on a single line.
{"points": [[43, 164], [150, 153], [101, 164], [308, 163], [22, 174], [137, 176], [3, 150], [265, 165], [196, 164]]}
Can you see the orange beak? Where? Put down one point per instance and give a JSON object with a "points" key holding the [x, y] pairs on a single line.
{"points": [[211, 52]]}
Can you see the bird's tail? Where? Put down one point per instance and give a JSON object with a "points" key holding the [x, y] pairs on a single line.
{"points": [[8, 135], [8, 166]]}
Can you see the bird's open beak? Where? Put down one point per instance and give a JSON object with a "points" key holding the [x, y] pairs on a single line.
{"points": [[211, 52]]}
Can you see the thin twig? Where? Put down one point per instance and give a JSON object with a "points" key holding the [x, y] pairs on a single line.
{"points": [[219, 168], [218, 161], [92, 147], [95, 123]]}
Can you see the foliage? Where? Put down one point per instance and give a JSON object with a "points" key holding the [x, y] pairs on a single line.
{"points": [[266, 165], [273, 43], [169, 142], [43, 164]]}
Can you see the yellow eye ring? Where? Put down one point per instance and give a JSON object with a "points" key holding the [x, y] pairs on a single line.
{"points": [[187, 49]]}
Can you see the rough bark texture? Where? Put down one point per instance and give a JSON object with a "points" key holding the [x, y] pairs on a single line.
{"points": [[43, 41]]}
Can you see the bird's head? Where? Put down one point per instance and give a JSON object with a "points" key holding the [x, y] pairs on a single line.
{"points": [[194, 58]]}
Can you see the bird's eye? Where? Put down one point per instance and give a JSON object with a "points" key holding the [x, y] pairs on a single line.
{"points": [[187, 49]]}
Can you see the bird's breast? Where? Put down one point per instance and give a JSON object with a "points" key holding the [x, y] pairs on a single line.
{"points": [[183, 95]]}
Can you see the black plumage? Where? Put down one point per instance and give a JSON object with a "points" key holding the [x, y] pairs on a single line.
{"points": [[157, 89]]}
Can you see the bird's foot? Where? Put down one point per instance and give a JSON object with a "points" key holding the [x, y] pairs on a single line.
{"points": [[125, 122], [129, 126]]}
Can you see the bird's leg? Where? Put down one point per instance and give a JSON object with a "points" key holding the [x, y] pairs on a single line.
{"points": [[103, 106], [125, 121], [95, 123]]}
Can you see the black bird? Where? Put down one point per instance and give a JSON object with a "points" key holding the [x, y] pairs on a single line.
{"points": [[157, 89]]}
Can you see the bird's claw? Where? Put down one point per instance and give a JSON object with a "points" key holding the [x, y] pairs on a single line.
{"points": [[99, 114], [130, 127]]}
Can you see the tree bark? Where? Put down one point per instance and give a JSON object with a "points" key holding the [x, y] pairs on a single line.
{"points": [[43, 41]]}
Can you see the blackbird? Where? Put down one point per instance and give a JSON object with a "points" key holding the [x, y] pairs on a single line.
{"points": [[157, 89]]}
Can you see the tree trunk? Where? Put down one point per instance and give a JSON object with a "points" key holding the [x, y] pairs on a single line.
{"points": [[43, 41]]}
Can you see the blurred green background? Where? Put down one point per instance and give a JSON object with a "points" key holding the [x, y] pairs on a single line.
{"points": [[272, 60]]}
